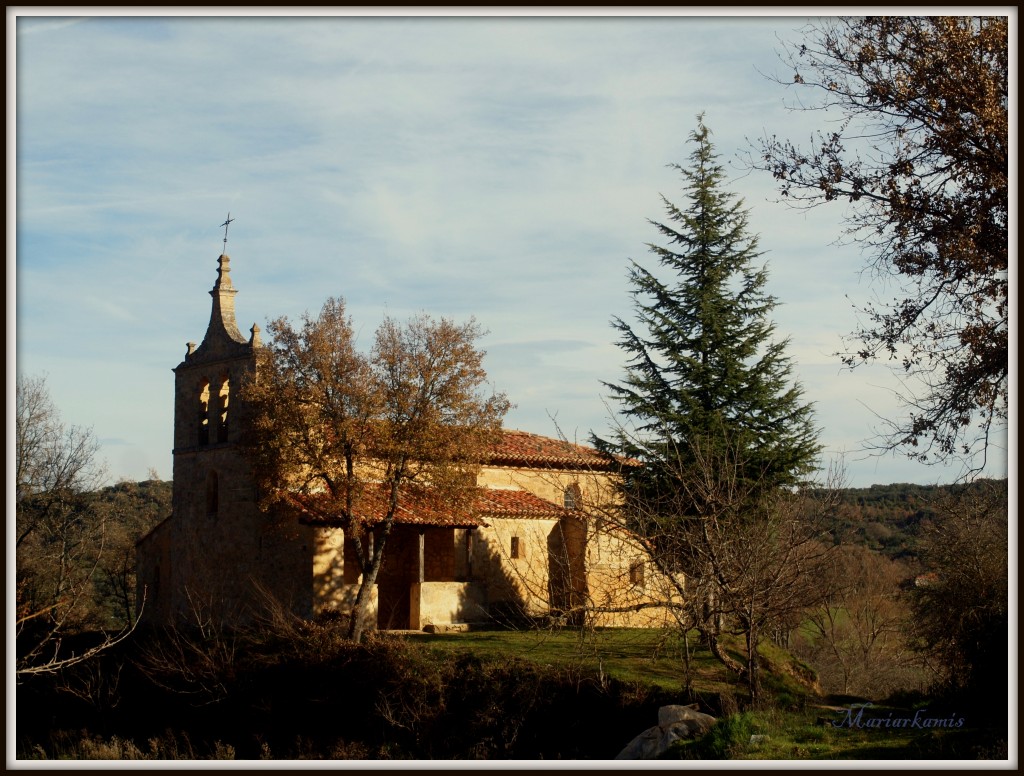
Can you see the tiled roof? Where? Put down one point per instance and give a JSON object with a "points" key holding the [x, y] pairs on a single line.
{"points": [[516, 503], [414, 508], [420, 508], [520, 448]]}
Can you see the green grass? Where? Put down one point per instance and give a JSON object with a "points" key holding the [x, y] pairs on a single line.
{"points": [[780, 735], [796, 726], [645, 656], [809, 632], [809, 735]]}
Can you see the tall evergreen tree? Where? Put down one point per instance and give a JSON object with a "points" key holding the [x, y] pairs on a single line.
{"points": [[703, 368], [710, 410]]}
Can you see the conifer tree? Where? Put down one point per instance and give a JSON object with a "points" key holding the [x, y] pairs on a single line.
{"points": [[703, 368], [710, 410]]}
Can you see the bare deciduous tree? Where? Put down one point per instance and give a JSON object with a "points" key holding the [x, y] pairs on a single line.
{"points": [[919, 157], [129, 510], [59, 536], [961, 610], [54, 462], [752, 556], [750, 562], [859, 631]]}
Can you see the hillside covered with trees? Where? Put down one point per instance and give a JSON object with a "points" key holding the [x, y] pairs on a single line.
{"points": [[891, 519]]}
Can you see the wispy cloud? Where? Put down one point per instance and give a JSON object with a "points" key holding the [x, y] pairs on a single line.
{"points": [[43, 25], [497, 167]]}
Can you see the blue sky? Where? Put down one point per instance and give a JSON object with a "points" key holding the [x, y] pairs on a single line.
{"points": [[498, 167]]}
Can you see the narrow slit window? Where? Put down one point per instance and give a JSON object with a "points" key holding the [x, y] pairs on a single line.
{"points": [[212, 494], [517, 549], [636, 572], [571, 497]]}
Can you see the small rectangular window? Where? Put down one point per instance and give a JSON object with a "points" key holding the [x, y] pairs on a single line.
{"points": [[636, 572], [517, 548]]}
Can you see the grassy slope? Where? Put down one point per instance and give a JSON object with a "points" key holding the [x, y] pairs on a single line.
{"points": [[647, 656], [801, 726]]}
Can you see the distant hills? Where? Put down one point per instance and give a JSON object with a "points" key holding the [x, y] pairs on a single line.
{"points": [[890, 518], [884, 518]]}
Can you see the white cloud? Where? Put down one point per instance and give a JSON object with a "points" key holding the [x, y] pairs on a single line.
{"points": [[502, 168]]}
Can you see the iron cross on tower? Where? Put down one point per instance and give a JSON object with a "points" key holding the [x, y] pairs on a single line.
{"points": [[226, 223]]}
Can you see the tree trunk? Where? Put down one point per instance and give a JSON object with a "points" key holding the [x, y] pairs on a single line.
{"points": [[753, 674], [356, 627], [686, 662], [718, 652]]}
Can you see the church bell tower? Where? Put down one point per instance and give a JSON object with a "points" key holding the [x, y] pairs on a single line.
{"points": [[205, 380], [218, 555], [214, 497]]}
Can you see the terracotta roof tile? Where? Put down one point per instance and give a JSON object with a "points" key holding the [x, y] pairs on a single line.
{"points": [[521, 448], [516, 448], [414, 508], [420, 509], [517, 503]]}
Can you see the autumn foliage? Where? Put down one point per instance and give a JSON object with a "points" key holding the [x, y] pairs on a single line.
{"points": [[919, 155], [328, 422]]}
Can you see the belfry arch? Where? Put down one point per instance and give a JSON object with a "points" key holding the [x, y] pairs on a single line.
{"points": [[203, 409], [219, 412]]}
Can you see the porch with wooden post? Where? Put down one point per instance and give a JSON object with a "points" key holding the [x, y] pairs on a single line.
{"points": [[441, 596]]}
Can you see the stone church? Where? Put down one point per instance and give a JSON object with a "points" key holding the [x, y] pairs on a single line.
{"points": [[530, 550]]}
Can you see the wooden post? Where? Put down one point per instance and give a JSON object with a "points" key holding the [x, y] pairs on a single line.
{"points": [[422, 554]]}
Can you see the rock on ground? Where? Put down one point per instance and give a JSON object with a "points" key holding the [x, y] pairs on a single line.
{"points": [[674, 723]]}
